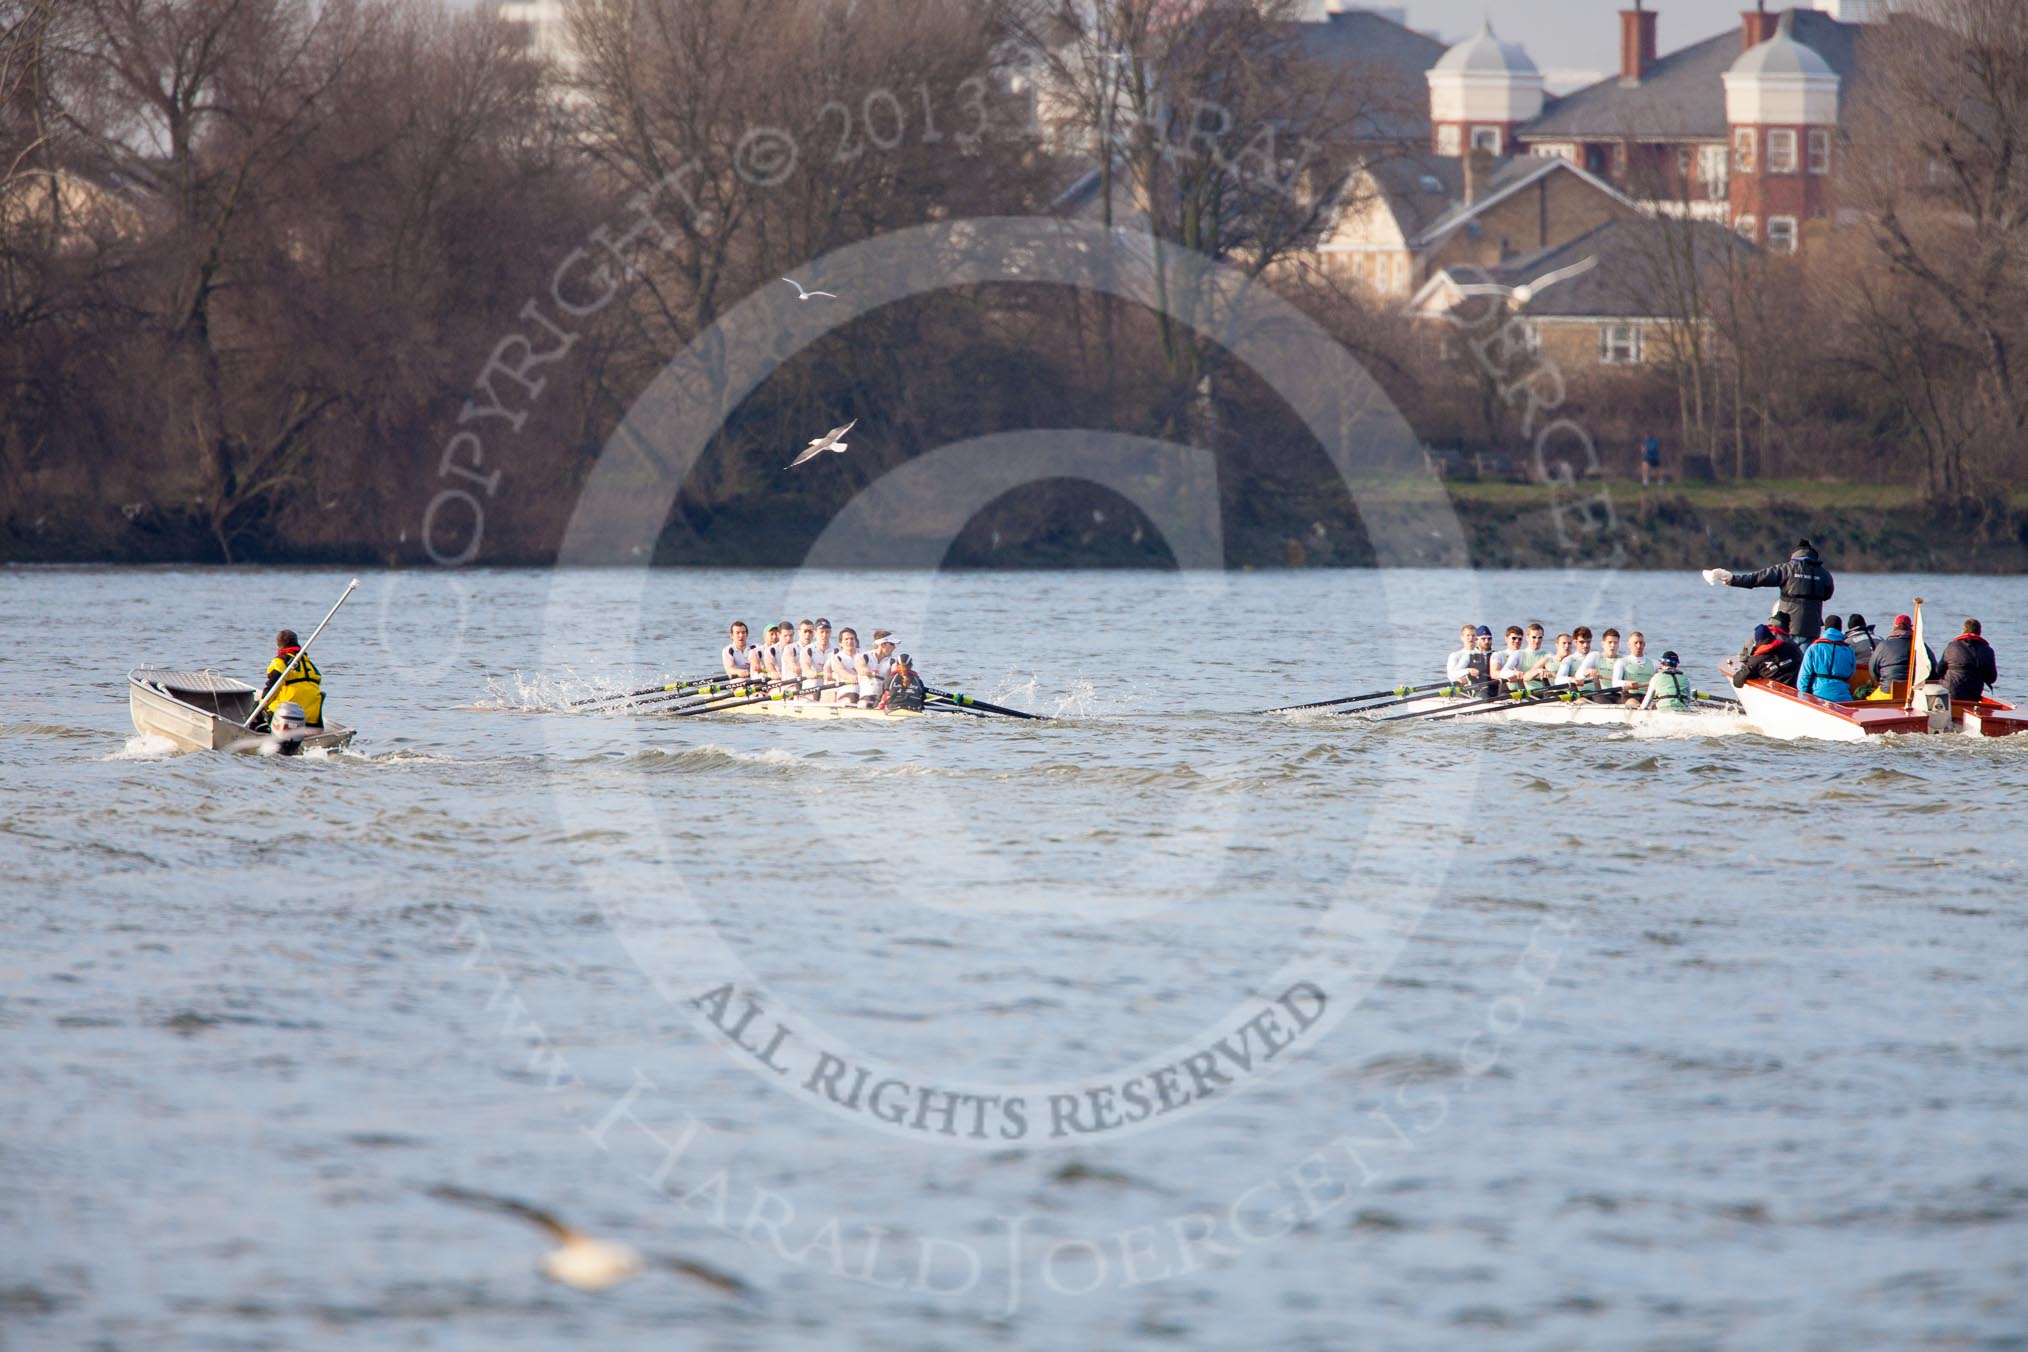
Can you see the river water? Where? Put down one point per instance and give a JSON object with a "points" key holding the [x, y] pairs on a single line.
{"points": [[1157, 1024]]}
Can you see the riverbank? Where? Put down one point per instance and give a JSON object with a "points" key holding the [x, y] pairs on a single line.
{"points": [[1264, 524]]}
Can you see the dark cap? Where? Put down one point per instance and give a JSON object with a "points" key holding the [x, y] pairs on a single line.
{"points": [[1762, 634], [1483, 632], [1669, 659]]}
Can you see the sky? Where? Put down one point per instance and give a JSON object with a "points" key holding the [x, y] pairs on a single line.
{"points": [[1567, 35]]}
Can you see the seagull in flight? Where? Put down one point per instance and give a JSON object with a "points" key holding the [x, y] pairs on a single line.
{"points": [[828, 442], [579, 1260], [1519, 296], [801, 294]]}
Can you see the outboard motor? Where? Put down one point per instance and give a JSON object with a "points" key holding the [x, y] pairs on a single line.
{"points": [[1936, 702], [287, 728]]}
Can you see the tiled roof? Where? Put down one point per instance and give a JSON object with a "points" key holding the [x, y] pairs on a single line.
{"points": [[1682, 96], [1426, 193], [1370, 47], [1634, 257]]}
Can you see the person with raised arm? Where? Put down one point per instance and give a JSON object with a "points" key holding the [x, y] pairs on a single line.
{"points": [[1805, 585]]}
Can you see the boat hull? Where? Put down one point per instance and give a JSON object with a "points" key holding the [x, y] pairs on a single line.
{"points": [[1555, 713], [805, 709], [203, 711], [1783, 711]]}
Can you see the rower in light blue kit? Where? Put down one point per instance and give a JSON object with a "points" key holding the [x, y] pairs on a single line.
{"points": [[1668, 688]]}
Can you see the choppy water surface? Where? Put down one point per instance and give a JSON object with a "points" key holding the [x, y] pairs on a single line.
{"points": [[1671, 1039]]}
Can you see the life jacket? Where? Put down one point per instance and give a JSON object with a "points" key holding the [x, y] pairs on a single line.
{"points": [[1680, 699], [1810, 580], [305, 686], [1843, 664]]}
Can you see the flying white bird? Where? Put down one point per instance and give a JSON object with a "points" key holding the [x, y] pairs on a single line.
{"points": [[806, 295], [582, 1262], [1519, 296], [828, 442]]}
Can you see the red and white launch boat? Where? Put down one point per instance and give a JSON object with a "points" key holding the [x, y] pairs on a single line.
{"points": [[1784, 711]]}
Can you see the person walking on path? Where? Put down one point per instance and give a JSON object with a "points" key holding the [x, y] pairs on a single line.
{"points": [[1805, 585]]}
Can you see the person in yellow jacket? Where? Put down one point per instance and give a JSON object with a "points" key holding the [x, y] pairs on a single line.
{"points": [[305, 685]]}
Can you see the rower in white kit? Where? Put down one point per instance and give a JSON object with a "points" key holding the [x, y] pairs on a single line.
{"points": [[738, 656], [843, 669], [817, 660], [875, 667]]}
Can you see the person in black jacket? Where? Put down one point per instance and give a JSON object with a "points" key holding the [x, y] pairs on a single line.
{"points": [[1768, 656], [1968, 664], [1891, 656], [1805, 583]]}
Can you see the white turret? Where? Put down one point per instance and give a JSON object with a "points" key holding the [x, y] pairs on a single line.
{"points": [[1781, 82], [1479, 92]]}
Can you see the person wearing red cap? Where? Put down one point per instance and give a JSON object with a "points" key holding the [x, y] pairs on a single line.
{"points": [[1892, 655]]}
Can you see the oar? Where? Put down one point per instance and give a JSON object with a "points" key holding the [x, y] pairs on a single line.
{"points": [[968, 702], [1476, 703], [280, 680], [711, 698], [1411, 699], [644, 690], [1354, 699], [736, 685], [1717, 699], [1494, 707], [772, 695]]}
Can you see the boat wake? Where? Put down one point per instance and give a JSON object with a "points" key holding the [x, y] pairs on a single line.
{"points": [[539, 694], [145, 747]]}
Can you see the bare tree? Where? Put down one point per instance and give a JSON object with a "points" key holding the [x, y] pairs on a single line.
{"points": [[206, 101], [1232, 142], [1936, 169]]}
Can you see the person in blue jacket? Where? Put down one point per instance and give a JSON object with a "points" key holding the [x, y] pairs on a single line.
{"points": [[1828, 664]]}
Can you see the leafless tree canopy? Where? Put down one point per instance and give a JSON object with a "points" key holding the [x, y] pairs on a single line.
{"points": [[259, 259]]}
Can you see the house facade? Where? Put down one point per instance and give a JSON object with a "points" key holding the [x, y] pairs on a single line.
{"points": [[1408, 217], [1621, 302]]}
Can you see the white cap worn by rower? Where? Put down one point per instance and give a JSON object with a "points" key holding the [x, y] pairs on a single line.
{"points": [[886, 639]]}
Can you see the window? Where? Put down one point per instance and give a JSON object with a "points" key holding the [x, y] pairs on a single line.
{"points": [[1748, 227], [1742, 150], [1781, 234], [1781, 151], [1711, 172], [1619, 344], [1486, 138], [1620, 159], [1820, 151], [1683, 165], [1447, 139], [1401, 272]]}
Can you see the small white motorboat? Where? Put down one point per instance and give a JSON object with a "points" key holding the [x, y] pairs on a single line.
{"points": [[207, 711]]}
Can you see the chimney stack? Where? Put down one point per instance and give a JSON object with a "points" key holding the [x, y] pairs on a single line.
{"points": [[1637, 43], [1478, 170], [1757, 26]]}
